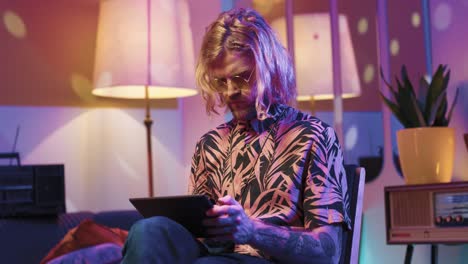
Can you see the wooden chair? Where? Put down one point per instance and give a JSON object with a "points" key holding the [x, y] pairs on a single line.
{"points": [[350, 245]]}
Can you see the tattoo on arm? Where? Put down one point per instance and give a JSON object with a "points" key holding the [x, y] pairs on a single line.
{"points": [[272, 239], [298, 245], [302, 245], [294, 243]]}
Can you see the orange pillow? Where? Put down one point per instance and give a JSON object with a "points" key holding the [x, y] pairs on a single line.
{"points": [[86, 234]]}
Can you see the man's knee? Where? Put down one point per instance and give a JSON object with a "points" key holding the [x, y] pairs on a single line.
{"points": [[151, 224]]}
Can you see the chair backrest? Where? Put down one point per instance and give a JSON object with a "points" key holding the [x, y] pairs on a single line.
{"points": [[350, 246]]}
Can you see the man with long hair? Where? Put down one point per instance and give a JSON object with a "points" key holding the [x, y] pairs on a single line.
{"points": [[276, 174]]}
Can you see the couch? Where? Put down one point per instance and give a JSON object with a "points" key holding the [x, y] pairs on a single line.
{"points": [[27, 240]]}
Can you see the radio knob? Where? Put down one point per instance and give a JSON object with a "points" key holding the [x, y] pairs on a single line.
{"points": [[438, 219], [448, 219], [459, 218]]}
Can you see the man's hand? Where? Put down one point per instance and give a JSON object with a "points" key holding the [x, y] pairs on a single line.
{"points": [[227, 221]]}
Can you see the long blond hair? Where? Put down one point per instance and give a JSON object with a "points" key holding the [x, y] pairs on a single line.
{"points": [[245, 31]]}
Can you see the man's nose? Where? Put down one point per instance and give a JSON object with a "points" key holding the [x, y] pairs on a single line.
{"points": [[232, 88]]}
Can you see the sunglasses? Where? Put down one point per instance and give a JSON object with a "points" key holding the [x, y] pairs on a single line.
{"points": [[238, 81]]}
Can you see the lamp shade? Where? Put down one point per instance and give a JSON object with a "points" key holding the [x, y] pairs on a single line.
{"points": [[313, 56], [144, 42]]}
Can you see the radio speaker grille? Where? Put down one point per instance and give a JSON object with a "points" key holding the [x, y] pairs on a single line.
{"points": [[410, 208]]}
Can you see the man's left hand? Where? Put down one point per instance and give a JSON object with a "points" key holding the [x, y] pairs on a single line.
{"points": [[227, 221]]}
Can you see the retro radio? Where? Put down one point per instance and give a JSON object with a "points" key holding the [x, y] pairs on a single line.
{"points": [[32, 190], [429, 213]]}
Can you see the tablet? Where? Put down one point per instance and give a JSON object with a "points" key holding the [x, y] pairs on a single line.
{"points": [[187, 210]]}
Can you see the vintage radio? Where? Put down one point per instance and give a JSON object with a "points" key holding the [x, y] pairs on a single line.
{"points": [[428, 213], [32, 190]]}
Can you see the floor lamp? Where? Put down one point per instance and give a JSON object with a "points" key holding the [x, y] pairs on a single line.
{"points": [[313, 56], [144, 50]]}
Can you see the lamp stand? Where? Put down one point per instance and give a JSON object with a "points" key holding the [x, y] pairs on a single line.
{"points": [[312, 105], [148, 122]]}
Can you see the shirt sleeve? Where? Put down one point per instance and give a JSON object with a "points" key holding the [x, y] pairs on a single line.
{"points": [[326, 199], [196, 171]]}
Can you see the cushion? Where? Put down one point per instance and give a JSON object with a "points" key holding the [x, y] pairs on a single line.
{"points": [[122, 219], [103, 253], [86, 234]]}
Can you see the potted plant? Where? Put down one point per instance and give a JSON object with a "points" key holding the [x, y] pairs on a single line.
{"points": [[426, 144]]}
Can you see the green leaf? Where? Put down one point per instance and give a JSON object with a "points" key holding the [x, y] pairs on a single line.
{"points": [[422, 93], [442, 110], [406, 80], [419, 114], [393, 106], [395, 110], [383, 78], [435, 89], [435, 108], [400, 87], [390, 87], [408, 104], [454, 102]]}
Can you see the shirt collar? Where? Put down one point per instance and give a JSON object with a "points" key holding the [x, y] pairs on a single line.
{"points": [[275, 112]]}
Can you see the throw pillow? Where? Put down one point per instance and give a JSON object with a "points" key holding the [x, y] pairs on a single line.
{"points": [[86, 234], [100, 254]]}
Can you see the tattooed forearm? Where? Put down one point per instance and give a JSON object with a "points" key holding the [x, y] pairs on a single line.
{"points": [[271, 239], [301, 244], [322, 244]]}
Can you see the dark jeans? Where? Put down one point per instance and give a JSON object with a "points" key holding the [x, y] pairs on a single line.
{"points": [[161, 240]]}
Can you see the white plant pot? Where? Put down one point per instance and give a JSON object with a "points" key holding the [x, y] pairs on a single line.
{"points": [[426, 154]]}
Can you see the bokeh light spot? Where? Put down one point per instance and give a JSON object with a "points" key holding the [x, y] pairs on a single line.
{"points": [[14, 24], [415, 19], [369, 72], [362, 25], [442, 16], [351, 137], [394, 47]]}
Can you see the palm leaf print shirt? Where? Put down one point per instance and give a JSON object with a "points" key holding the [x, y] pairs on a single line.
{"points": [[286, 170]]}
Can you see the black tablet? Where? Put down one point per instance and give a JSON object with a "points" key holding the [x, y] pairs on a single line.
{"points": [[187, 210]]}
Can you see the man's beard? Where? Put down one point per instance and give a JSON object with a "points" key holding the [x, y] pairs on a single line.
{"points": [[247, 113]]}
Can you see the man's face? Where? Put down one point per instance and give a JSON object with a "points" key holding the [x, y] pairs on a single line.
{"points": [[234, 78]]}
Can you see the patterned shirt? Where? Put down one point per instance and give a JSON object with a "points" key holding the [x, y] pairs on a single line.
{"points": [[286, 170]]}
